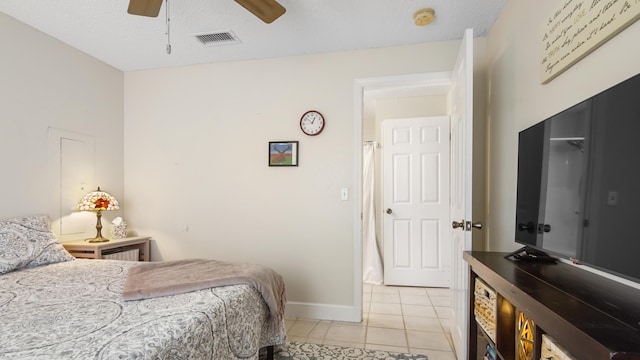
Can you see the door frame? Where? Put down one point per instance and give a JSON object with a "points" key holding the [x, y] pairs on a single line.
{"points": [[432, 83]]}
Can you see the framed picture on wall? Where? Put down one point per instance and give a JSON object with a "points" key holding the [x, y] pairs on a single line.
{"points": [[283, 153]]}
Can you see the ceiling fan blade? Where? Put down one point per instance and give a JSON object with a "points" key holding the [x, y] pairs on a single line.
{"points": [[149, 8], [266, 10]]}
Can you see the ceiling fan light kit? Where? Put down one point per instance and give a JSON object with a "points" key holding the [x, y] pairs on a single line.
{"points": [[424, 16]]}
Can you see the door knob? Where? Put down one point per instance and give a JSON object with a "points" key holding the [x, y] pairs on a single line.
{"points": [[477, 225], [529, 227], [389, 211], [458, 225], [543, 228]]}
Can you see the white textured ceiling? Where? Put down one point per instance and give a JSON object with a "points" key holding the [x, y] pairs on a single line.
{"points": [[104, 29]]}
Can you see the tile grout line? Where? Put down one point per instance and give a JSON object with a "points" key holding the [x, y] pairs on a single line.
{"points": [[404, 325], [447, 336], [403, 315]]}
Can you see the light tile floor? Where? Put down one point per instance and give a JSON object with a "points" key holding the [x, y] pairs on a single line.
{"points": [[400, 319]]}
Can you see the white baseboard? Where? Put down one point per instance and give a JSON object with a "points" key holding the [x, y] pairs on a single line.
{"points": [[322, 312]]}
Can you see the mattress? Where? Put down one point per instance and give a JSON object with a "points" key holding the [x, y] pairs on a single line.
{"points": [[74, 310]]}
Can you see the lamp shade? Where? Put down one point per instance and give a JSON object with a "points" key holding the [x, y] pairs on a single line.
{"points": [[98, 201]]}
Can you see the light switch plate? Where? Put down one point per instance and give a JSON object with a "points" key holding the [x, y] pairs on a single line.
{"points": [[344, 194]]}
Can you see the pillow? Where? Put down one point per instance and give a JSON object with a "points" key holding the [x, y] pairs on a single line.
{"points": [[28, 242]]}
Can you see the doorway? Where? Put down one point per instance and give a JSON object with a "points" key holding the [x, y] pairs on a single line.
{"points": [[460, 83], [379, 97]]}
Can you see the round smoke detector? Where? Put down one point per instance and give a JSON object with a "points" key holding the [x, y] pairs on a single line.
{"points": [[424, 16]]}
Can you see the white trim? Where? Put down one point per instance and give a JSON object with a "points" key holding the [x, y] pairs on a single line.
{"points": [[422, 80], [323, 312], [357, 197]]}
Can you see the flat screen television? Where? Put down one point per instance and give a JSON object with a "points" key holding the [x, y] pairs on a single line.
{"points": [[578, 188]]}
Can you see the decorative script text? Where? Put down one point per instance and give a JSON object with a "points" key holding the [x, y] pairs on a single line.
{"points": [[577, 27]]}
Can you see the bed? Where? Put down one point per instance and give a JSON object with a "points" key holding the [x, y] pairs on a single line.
{"points": [[53, 306]]}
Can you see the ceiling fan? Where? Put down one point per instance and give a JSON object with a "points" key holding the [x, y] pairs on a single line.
{"points": [[266, 10]]}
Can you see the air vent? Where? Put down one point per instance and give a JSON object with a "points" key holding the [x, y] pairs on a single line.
{"points": [[217, 38]]}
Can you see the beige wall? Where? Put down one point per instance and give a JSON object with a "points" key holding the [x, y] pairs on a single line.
{"points": [[518, 100], [195, 140], [196, 169], [45, 83]]}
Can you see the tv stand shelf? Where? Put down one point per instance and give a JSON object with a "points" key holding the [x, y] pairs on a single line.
{"points": [[591, 317]]}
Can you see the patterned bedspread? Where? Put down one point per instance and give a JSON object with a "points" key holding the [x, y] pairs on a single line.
{"points": [[74, 310]]}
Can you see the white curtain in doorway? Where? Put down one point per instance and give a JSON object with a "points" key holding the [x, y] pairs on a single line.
{"points": [[371, 262]]}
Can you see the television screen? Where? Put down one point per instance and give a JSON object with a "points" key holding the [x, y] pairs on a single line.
{"points": [[579, 182]]}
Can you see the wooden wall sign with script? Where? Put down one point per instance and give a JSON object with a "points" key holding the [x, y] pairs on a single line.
{"points": [[578, 27]]}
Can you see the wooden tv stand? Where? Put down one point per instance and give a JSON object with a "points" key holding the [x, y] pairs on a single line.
{"points": [[587, 315]]}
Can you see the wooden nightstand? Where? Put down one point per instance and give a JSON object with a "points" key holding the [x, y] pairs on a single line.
{"points": [[85, 250]]}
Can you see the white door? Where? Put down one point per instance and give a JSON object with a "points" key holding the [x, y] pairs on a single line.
{"points": [[461, 186], [416, 201]]}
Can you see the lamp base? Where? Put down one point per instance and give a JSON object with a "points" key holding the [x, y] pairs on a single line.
{"points": [[97, 239]]}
